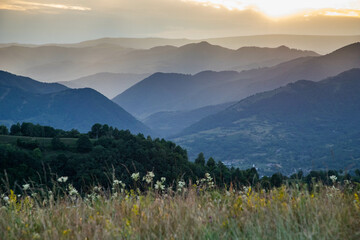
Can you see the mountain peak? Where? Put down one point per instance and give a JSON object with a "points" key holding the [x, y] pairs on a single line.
{"points": [[200, 45], [283, 47], [204, 43]]}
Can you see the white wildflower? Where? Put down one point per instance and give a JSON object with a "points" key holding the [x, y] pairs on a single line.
{"points": [[135, 176], [180, 186], [26, 187], [93, 197], [149, 177], [333, 178], [159, 185], [6, 199], [118, 183], [62, 179], [72, 191], [209, 180]]}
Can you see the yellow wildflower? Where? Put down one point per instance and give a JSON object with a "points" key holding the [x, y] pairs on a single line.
{"points": [[135, 209]]}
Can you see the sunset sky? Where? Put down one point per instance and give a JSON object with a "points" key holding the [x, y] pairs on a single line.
{"points": [[44, 21]]}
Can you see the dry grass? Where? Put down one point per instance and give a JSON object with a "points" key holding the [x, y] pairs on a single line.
{"points": [[196, 212]]}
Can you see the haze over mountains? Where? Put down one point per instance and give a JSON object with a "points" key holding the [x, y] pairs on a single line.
{"points": [[25, 100], [196, 57], [305, 125], [169, 123], [322, 44], [318, 43], [109, 84], [178, 92], [54, 63]]}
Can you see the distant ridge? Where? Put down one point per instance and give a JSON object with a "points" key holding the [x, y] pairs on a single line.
{"points": [[322, 44], [60, 63], [177, 92], [319, 43]]}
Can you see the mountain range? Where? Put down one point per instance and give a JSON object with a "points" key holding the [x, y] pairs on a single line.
{"points": [[179, 92], [195, 57], [59, 63], [26, 100], [319, 43], [276, 108], [303, 125]]}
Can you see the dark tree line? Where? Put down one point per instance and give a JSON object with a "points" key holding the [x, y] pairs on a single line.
{"points": [[107, 151], [36, 130]]}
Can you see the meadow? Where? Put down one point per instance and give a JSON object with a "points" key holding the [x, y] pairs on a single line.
{"points": [[189, 210]]}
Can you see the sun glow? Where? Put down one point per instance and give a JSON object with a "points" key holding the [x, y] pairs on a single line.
{"points": [[284, 8]]}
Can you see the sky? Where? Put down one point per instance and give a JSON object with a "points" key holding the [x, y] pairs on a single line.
{"points": [[69, 21]]}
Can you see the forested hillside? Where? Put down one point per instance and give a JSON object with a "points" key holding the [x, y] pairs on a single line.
{"points": [[95, 157], [304, 125], [26, 100]]}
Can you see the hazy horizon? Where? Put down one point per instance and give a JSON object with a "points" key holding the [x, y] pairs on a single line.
{"points": [[52, 21], [178, 38]]}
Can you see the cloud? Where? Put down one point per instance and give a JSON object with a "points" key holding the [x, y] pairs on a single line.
{"points": [[13, 7], [77, 20], [341, 12], [281, 8], [28, 5]]}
